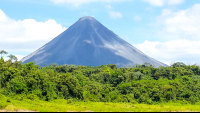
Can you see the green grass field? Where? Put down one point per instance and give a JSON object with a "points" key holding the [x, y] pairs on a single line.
{"points": [[69, 106]]}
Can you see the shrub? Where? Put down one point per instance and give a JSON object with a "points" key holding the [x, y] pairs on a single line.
{"points": [[149, 101], [32, 97], [69, 101], [8, 100], [3, 105]]}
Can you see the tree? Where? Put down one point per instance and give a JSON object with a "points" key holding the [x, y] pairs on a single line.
{"points": [[178, 64], [112, 66], [54, 64], [12, 57], [3, 52]]}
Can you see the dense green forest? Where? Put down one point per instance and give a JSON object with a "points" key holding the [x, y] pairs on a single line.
{"points": [[105, 83]]}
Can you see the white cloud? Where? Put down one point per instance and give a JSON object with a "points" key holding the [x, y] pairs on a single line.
{"points": [[19, 57], [175, 2], [155, 2], [137, 18], [181, 29], [163, 2], [172, 51], [183, 24], [114, 14], [27, 35], [79, 2], [109, 6]]}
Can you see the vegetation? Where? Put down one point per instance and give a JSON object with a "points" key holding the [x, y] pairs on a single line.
{"points": [[143, 84], [63, 105]]}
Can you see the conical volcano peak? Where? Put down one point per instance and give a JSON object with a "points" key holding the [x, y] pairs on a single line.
{"points": [[90, 18], [88, 42]]}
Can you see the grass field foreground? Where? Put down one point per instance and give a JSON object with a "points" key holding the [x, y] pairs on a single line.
{"points": [[61, 105]]}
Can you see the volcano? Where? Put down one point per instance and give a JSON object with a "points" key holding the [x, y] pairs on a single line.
{"points": [[88, 42]]}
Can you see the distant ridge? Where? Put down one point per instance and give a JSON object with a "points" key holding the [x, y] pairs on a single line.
{"points": [[88, 42]]}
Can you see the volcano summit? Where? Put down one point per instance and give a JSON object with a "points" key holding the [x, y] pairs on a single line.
{"points": [[88, 42]]}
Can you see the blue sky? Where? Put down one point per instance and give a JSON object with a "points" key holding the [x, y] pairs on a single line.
{"points": [[167, 30]]}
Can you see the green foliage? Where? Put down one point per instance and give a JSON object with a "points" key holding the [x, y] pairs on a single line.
{"points": [[12, 57], [3, 105], [32, 97], [106, 83], [3, 52], [178, 64], [8, 100]]}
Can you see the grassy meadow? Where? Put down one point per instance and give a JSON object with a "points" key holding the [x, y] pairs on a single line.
{"points": [[70, 105]]}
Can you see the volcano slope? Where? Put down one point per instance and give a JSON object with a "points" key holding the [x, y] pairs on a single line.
{"points": [[88, 42]]}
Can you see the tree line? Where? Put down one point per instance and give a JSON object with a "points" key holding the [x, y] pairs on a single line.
{"points": [[106, 83]]}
